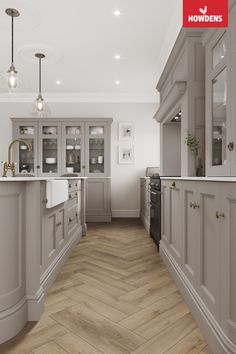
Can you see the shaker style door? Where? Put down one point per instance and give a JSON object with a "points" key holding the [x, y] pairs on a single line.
{"points": [[50, 149], [25, 159], [96, 145], [73, 148]]}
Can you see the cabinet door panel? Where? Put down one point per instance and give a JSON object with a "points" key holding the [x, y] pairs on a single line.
{"points": [[228, 242], [190, 233], [209, 248], [12, 253], [165, 213], [176, 223], [60, 227]]}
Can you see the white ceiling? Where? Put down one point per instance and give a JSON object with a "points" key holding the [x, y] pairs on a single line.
{"points": [[80, 39]]}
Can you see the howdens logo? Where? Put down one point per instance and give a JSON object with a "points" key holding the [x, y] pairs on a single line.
{"points": [[206, 13]]}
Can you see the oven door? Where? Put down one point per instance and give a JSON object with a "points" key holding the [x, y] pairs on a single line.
{"points": [[155, 216]]}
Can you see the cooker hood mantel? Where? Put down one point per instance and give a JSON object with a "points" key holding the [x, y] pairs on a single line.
{"points": [[176, 92]]}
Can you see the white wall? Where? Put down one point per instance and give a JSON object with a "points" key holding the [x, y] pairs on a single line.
{"points": [[125, 178]]}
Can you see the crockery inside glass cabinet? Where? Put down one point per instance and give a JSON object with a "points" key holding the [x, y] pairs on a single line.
{"points": [[73, 130], [73, 155], [26, 157], [50, 130], [96, 130], [50, 147], [96, 155], [26, 130]]}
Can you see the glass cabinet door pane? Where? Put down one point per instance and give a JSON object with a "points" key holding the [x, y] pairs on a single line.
{"points": [[50, 163], [26, 157], [96, 155], [26, 130], [96, 130], [50, 130], [73, 155], [219, 119], [219, 51], [75, 130]]}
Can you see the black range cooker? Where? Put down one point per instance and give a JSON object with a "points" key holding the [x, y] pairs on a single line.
{"points": [[155, 208]]}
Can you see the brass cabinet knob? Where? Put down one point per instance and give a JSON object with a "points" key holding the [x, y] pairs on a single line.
{"points": [[83, 166], [230, 146], [219, 215], [69, 196]]}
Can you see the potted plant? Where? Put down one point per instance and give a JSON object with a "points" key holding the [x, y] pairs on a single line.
{"points": [[194, 144]]}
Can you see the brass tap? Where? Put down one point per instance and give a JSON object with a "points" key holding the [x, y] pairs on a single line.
{"points": [[9, 165]]}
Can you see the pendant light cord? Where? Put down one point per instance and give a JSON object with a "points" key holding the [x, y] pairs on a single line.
{"points": [[40, 76], [12, 40]]}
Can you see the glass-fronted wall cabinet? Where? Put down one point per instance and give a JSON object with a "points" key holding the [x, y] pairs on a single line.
{"points": [[220, 99], [25, 159], [96, 149], [49, 148], [73, 148], [69, 146], [217, 124]]}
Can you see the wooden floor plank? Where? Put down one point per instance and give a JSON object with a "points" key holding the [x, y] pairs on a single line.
{"points": [[114, 295]]}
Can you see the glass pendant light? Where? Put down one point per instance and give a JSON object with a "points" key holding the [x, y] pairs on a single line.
{"points": [[40, 108], [12, 78]]}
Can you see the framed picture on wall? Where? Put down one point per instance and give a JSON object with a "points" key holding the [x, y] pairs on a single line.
{"points": [[126, 131], [126, 154]]}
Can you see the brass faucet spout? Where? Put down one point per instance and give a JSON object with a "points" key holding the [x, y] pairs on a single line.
{"points": [[9, 165], [16, 141]]}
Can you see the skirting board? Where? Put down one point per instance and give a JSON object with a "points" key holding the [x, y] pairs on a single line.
{"points": [[126, 213], [216, 338]]}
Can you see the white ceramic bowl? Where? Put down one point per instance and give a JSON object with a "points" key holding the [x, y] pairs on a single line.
{"points": [[77, 147], [69, 147], [69, 169], [23, 147], [50, 160]]}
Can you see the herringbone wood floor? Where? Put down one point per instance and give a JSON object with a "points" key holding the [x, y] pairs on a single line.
{"points": [[113, 296]]}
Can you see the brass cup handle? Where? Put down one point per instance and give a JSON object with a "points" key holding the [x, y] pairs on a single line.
{"points": [[219, 215], [194, 205]]}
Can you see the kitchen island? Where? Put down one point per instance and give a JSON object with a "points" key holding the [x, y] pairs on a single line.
{"points": [[36, 238]]}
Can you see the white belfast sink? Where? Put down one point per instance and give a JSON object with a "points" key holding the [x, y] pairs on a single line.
{"points": [[57, 192]]}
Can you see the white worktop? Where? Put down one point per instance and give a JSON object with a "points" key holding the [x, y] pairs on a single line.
{"points": [[205, 179], [29, 179]]}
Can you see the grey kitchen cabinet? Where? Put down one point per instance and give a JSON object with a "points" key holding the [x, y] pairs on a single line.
{"points": [[69, 145], [205, 272], [145, 202], [49, 148], [171, 218], [53, 234], [26, 161], [220, 99], [98, 199]]}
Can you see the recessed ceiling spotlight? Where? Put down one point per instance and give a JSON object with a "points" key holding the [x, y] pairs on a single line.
{"points": [[117, 56], [58, 82], [117, 82], [117, 13]]}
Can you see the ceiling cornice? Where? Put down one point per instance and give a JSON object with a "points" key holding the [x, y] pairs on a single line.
{"points": [[83, 97]]}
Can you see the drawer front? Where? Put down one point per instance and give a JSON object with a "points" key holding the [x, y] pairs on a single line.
{"points": [[73, 218], [74, 185], [73, 198]]}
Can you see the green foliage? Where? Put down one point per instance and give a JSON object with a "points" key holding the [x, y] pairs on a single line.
{"points": [[193, 143]]}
